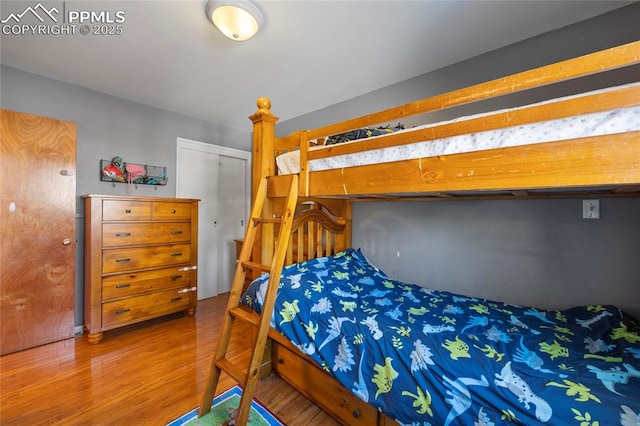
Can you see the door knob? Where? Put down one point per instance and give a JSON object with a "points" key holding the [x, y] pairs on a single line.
{"points": [[66, 242]]}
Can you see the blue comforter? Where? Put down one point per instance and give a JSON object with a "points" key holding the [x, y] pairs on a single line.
{"points": [[427, 357]]}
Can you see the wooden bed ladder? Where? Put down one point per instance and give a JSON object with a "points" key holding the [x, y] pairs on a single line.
{"points": [[248, 379]]}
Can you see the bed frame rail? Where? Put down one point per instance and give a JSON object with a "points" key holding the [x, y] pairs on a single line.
{"points": [[594, 63]]}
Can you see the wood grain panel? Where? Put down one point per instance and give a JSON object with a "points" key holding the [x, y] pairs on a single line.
{"points": [[326, 392], [126, 210], [171, 211], [128, 259], [128, 234], [136, 309], [37, 255], [140, 282], [587, 162]]}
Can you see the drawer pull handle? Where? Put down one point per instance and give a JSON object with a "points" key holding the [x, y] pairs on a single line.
{"points": [[188, 268], [176, 232], [176, 254], [123, 285], [173, 211], [176, 299], [127, 211], [187, 290], [122, 311], [126, 259], [356, 414], [123, 234], [175, 277], [280, 361]]}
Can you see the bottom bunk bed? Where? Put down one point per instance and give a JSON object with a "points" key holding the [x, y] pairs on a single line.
{"points": [[422, 356]]}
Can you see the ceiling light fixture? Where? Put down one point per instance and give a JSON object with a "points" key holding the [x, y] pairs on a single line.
{"points": [[237, 19]]}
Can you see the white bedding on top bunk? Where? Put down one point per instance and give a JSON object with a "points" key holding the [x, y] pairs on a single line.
{"points": [[595, 124]]}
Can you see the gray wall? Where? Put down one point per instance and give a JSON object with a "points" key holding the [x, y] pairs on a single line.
{"points": [[512, 262], [532, 252], [108, 126]]}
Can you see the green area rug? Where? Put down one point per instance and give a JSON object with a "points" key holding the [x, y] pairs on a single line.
{"points": [[222, 405]]}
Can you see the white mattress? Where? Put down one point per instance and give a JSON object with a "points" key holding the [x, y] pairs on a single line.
{"points": [[595, 124]]}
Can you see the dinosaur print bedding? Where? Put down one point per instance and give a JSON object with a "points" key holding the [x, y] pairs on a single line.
{"points": [[427, 357]]}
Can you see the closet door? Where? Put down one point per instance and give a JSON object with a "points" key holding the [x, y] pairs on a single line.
{"points": [[198, 178], [232, 210], [37, 224], [220, 178]]}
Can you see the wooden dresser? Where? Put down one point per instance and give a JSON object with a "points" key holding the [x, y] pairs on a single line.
{"points": [[141, 258]]}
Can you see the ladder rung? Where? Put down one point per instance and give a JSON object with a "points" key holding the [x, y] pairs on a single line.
{"points": [[245, 315], [238, 373], [266, 219], [254, 265]]}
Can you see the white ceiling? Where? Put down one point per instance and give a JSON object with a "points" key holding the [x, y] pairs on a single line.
{"points": [[308, 55]]}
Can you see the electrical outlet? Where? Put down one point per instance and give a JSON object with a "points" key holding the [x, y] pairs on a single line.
{"points": [[591, 209]]}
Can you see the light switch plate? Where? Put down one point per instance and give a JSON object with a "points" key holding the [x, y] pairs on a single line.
{"points": [[591, 209]]}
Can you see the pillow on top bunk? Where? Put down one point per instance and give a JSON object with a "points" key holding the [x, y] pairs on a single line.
{"points": [[363, 133]]}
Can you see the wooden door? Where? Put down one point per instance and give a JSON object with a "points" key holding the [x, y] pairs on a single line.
{"points": [[37, 224]]}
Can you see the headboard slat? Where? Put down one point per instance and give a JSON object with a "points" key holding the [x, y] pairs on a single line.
{"points": [[315, 233]]}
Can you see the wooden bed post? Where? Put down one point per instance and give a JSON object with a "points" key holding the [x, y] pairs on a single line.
{"points": [[264, 133]]}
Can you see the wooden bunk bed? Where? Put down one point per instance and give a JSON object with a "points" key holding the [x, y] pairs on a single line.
{"points": [[604, 164]]}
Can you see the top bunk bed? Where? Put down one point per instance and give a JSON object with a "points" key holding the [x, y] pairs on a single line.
{"points": [[583, 144]]}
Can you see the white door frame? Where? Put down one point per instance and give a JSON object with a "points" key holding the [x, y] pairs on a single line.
{"points": [[193, 145]]}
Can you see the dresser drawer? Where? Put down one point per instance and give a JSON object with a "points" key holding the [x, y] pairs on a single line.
{"points": [[128, 259], [133, 234], [140, 308], [171, 211], [126, 210], [327, 393], [134, 283]]}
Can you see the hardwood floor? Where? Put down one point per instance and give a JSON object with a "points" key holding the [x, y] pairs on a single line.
{"points": [[146, 374]]}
